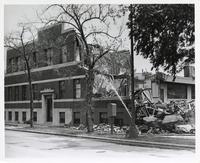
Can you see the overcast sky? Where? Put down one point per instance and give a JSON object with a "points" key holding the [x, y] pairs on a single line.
{"points": [[14, 14]]}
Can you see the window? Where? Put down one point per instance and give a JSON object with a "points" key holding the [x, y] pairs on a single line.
{"points": [[49, 56], [64, 54], [77, 51], [21, 64], [24, 90], [16, 116], [119, 119], [17, 63], [193, 92], [62, 117], [34, 59], [77, 87], [123, 90], [12, 65], [9, 93], [10, 116], [103, 117], [16, 93], [61, 89], [35, 116], [76, 118], [126, 90], [9, 66], [23, 116], [35, 91], [176, 91]]}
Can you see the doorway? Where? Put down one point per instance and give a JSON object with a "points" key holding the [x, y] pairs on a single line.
{"points": [[48, 101]]}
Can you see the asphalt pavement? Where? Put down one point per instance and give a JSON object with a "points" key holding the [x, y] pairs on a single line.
{"points": [[32, 145]]}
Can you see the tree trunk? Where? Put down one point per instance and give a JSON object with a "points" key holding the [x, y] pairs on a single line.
{"points": [[31, 98], [89, 90], [133, 133]]}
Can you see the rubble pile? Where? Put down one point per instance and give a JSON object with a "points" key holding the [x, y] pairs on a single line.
{"points": [[174, 117], [100, 128], [103, 128]]}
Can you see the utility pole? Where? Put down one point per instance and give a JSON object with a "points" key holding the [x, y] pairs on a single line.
{"points": [[133, 133]]}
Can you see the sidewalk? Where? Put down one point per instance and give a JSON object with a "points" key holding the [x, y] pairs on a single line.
{"points": [[155, 141]]}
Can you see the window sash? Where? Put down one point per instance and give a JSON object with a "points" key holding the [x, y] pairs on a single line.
{"points": [[61, 89], [17, 93], [77, 87], [23, 116], [50, 56], [176, 91], [10, 116], [64, 54], [35, 116], [24, 89], [35, 91], [62, 117], [16, 116], [76, 116]]}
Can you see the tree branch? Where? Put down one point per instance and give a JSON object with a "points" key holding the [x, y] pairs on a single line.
{"points": [[101, 32], [99, 57]]}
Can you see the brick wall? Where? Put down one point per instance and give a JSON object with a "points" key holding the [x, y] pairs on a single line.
{"points": [[53, 38], [46, 74]]}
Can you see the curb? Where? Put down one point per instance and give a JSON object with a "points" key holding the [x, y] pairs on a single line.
{"points": [[118, 141]]}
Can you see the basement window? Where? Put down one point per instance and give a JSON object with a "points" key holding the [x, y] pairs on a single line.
{"points": [[16, 116], [23, 116], [76, 118], [62, 117], [103, 117], [10, 116], [35, 116]]}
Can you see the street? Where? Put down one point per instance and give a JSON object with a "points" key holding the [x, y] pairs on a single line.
{"points": [[26, 145]]}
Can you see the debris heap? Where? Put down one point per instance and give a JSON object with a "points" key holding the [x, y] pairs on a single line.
{"points": [[174, 117]]}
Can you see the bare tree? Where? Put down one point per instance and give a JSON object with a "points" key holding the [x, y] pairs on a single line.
{"points": [[93, 25], [23, 43]]}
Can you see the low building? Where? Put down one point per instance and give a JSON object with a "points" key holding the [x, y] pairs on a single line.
{"points": [[182, 88]]}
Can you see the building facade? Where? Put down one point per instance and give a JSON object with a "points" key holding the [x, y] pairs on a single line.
{"points": [[58, 82], [166, 90]]}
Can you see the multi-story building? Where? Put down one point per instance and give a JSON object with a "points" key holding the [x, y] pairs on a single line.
{"points": [[58, 82]]}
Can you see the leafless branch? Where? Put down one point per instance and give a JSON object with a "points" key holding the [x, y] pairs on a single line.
{"points": [[99, 57]]}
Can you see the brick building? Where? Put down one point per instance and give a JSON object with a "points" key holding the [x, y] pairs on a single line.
{"points": [[58, 83]]}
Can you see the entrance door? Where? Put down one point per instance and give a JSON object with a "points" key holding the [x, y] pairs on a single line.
{"points": [[49, 108]]}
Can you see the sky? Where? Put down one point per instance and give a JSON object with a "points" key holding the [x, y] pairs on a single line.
{"points": [[14, 14]]}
